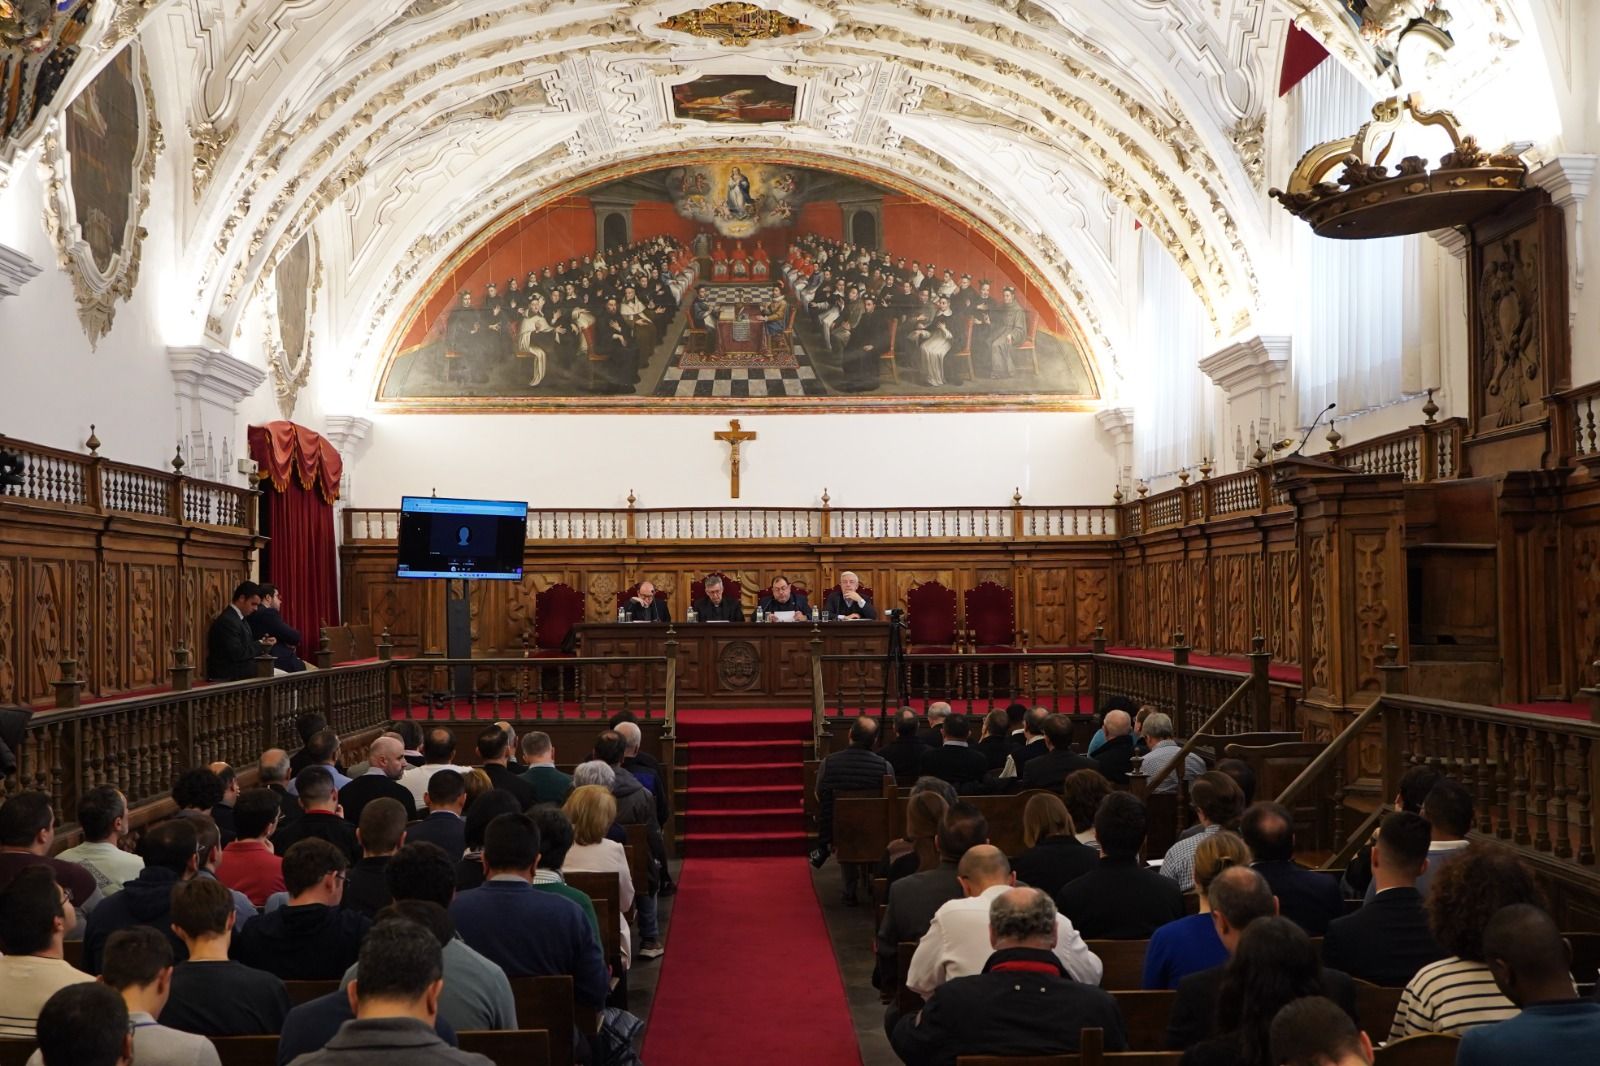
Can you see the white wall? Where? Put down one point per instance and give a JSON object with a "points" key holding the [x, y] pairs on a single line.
{"points": [[672, 460]]}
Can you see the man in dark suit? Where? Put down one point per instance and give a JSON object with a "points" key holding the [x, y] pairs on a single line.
{"points": [[319, 801], [1049, 770], [1115, 756], [856, 768], [914, 900], [1387, 941], [386, 762], [847, 601], [716, 605], [1033, 743], [867, 344], [931, 732], [494, 748], [955, 760], [904, 753], [273, 773], [267, 621], [1023, 1003], [444, 826], [1310, 899], [1238, 897], [231, 648], [996, 744], [784, 598], [647, 605], [1121, 899]]}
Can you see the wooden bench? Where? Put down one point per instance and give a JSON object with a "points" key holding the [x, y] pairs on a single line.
{"points": [[15, 1051], [546, 1003], [508, 1047], [1423, 1049], [604, 890], [306, 991], [1146, 1014], [1123, 961], [1091, 1052], [639, 858], [864, 825], [1375, 1007], [246, 1050]]}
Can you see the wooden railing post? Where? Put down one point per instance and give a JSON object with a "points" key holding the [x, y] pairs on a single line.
{"points": [[1098, 642], [182, 671], [1180, 649], [669, 697], [827, 517], [819, 697], [1394, 723], [264, 664], [324, 650], [1260, 684], [68, 684], [1181, 719], [1393, 671], [385, 646], [632, 527], [1016, 514]]}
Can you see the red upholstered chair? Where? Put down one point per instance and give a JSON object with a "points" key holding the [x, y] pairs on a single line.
{"points": [[731, 588], [628, 593], [930, 618], [555, 611], [991, 620]]}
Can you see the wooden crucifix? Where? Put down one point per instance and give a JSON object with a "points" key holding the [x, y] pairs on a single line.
{"points": [[734, 436]]}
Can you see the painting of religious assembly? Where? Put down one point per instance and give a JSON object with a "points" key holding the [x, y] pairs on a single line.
{"points": [[737, 282]]}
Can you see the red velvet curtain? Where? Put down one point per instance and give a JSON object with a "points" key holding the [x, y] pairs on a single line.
{"points": [[301, 472], [1302, 54]]}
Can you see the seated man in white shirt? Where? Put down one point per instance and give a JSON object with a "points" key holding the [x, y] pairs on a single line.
{"points": [[957, 943], [103, 816]]}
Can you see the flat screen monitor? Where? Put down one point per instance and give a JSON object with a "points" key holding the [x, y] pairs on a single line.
{"points": [[461, 538]]}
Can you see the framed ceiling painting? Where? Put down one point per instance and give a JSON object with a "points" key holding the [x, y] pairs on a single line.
{"points": [[733, 280]]}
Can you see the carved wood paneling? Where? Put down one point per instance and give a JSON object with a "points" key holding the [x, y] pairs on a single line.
{"points": [[1317, 615], [1091, 590], [1371, 606]]}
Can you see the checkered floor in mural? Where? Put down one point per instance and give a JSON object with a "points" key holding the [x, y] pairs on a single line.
{"points": [[780, 371]]}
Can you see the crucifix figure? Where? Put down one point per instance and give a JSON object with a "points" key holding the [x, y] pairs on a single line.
{"points": [[734, 436]]}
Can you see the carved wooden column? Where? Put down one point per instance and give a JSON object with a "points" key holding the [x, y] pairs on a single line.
{"points": [[1353, 595]]}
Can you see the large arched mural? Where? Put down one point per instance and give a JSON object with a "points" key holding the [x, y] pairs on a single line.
{"points": [[736, 280]]}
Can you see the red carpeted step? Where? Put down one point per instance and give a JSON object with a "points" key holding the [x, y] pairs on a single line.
{"points": [[723, 775], [741, 798], [764, 820], [737, 845], [731, 752], [696, 732]]}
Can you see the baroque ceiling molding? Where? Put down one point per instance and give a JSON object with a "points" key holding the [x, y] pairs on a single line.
{"points": [[99, 291], [736, 24], [291, 370]]}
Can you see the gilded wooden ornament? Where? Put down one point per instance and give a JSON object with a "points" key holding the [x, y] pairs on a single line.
{"points": [[735, 23]]}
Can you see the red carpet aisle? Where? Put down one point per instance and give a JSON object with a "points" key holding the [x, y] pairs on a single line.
{"points": [[749, 976], [745, 781]]}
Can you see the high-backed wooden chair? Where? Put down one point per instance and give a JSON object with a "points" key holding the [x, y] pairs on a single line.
{"points": [[306, 991], [1146, 1015], [930, 618], [991, 618], [1123, 962], [508, 1047], [1424, 1049], [546, 1003], [964, 350], [246, 1050], [555, 611], [597, 358], [888, 352], [1375, 1007], [605, 890], [1028, 343], [639, 858]]}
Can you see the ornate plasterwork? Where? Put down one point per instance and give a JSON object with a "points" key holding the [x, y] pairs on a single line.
{"points": [[734, 23], [98, 291], [292, 369]]}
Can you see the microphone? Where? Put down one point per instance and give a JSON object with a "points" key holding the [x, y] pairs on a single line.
{"points": [[1314, 423]]}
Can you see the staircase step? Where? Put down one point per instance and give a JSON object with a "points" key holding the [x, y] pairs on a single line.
{"points": [[740, 798], [744, 845], [691, 732], [724, 775], [742, 751], [768, 820]]}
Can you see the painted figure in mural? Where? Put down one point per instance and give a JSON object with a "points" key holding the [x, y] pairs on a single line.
{"points": [[1010, 326], [738, 199], [537, 339]]}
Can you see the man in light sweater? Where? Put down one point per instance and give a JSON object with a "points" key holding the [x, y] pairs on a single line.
{"points": [[35, 914], [103, 816]]}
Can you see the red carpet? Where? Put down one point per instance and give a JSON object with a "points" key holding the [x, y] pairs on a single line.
{"points": [[749, 976], [744, 794]]}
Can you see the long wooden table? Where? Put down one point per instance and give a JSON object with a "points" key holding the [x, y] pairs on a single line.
{"points": [[740, 664]]}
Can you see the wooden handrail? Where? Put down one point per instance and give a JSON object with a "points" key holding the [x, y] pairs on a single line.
{"points": [[1205, 727], [1334, 750]]}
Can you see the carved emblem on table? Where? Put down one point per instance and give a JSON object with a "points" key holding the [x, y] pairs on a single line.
{"points": [[738, 665]]}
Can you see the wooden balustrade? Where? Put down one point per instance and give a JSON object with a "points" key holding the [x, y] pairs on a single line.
{"points": [[92, 484], [1427, 452], [1575, 425], [554, 689]]}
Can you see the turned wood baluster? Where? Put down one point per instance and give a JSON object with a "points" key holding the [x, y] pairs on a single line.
{"points": [[1560, 828], [1483, 777], [1584, 815], [1502, 781], [1519, 796], [1542, 780]]}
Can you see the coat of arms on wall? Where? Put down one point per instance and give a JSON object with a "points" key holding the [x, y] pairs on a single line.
{"points": [[98, 168], [292, 302], [735, 23]]}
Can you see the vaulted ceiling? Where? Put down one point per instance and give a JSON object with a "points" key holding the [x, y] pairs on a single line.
{"points": [[395, 131]]}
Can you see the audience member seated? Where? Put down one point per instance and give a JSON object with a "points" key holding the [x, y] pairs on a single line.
{"points": [[1115, 756], [1415, 784], [856, 768], [1164, 751], [267, 621], [249, 864], [914, 900], [1031, 744], [477, 993], [396, 1000], [590, 810], [477, 785], [555, 840], [103, 817], [1458, 992], [539, 756], [932, 732], [197, 793], [27, 835], [636, 806], [904, 753], [1240, 898], [1532, 964], [1191, 943], [1109, 704], [311, 938], [1306, 897], [320, 818], [527, 932], [272, 772], [494, 748], [996, 744], [385, 763], [1121, 898], [1448, 809], [212, 994], [410, 734], [1050, 770], [488, 807], [138, 966], [322, 750], [446, 799], [382, 830], [1274, 965], [1243, 775], [1023, 1003], [641, 764], [35, 914], [1315, 1031], [438, 753], [209, 857], [955, 760], [307, 726], [1083, 791], [84, 1025], [919, 848], [1054, 856], [957, 941], [171, 855], [1387, 941], [222, 810], [1217, 804]]}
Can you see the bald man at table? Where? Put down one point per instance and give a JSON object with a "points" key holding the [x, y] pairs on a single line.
{"points": [[647, 605], [846, 603]]}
